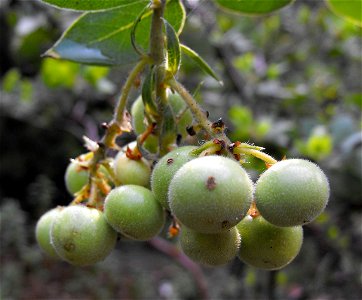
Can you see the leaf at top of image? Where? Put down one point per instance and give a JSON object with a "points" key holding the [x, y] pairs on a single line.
{"points": [[92, 5], [104, 38], [350, 10], [252, 7]]}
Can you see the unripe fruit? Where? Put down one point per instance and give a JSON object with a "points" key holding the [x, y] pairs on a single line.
{"points": [[210, 194], [82, 236], [165, 169], [266, 246], [177, 104], [75, 177], [130, 171], [42, 231], [210, 249], [137, 112], [292, 192], [133, 211]]}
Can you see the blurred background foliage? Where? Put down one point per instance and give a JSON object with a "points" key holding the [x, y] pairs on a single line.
{"points": [[292, 84]]}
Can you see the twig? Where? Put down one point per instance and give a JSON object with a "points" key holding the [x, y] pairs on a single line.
{"points": [[170, 250]]}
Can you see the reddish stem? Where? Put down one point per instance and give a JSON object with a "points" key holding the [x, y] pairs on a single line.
{"points": [[172, 251]]}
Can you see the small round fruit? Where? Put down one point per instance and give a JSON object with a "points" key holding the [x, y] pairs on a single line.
{"points": [[292, 192], [266, 246], [138, 124], [82, 236], [177, 104], [210, 249], [165, 169], [133, 211], [75, 178], [130, 171], [137, 112], [210, 194], [42, 231]]}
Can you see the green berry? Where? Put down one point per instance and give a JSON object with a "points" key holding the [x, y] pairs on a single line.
{"points": [[82, 236], [137, 112], [177, 104], [165, 169], [133, 211], [42, 231], [266, 246], [75, 178], [130, 171], [292, 192], [210, 194], [210, 249]]}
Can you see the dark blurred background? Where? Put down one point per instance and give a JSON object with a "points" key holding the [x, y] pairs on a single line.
{"points": [[292, 84]]}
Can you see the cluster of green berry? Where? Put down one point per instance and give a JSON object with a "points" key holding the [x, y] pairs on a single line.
{"points": [[221, 212]]}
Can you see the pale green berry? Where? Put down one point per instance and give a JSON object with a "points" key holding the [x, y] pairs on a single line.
{"points": [[292, 192]]}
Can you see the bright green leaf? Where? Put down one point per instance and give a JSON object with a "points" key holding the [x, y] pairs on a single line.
{"points": [[103, 38], [252, 7], [94, 73], [26, 90], [200, 62], [91, 5], [10, 80], [173, 49], [59, 73], [350, 10]]}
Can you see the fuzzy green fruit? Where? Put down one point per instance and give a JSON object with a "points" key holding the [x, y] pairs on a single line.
{"points": [[266, 246], [210, 249], [210, 194], [130, 171], [133, 211], [82, 236], [75, 178], [292, 192], [165, 169], [42, 231], [177, 104]]}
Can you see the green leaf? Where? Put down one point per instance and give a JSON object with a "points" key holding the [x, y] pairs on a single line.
{"points": [[173, 48], [59, 73], [350, 10], [104, 38], [252, 7], [91, 5], [136, 47], [169, 128], [11, 80], [147, 88], [200, 62]]}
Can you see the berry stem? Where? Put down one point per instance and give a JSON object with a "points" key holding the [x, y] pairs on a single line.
{"points": [[199, 114], [257, 153], [121, 104], [157, 54], [172, 251]]}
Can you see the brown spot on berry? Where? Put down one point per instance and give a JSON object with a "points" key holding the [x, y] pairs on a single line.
{"points": [[211, 183], [224, 224], [69, 247], [170, 161]]}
